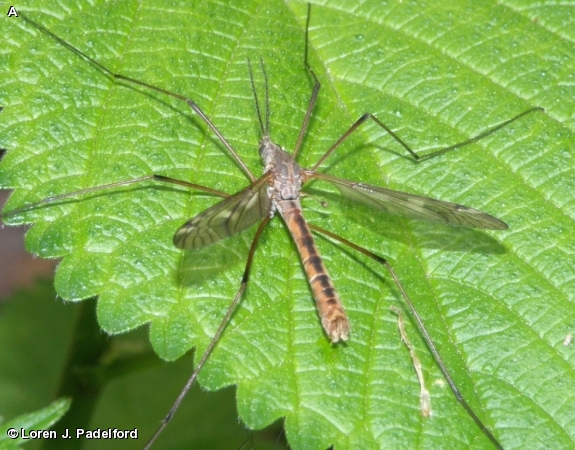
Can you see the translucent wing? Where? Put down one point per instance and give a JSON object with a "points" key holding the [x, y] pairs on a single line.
{"points": [[414, 206], [230, 216]]}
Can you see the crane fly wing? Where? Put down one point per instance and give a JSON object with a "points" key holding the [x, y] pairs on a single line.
{"points": [[413, 206], [232, 215]]}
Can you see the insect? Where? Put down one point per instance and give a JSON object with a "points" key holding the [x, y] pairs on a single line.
{"points": [[374, 195]]}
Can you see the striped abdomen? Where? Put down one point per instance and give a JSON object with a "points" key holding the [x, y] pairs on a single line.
{"points": [[333, 317]]}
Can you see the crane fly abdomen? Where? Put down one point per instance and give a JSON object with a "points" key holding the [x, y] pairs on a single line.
{"points": [[329, 307]]}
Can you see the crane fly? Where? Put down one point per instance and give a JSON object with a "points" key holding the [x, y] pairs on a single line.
{"points": [[278, 191]]}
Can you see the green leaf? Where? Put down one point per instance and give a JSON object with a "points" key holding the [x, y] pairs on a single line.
{"points": [[497, 304], [49, 349], [33, 424]]}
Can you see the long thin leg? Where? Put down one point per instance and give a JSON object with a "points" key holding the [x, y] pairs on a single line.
{"points": [[279, 438], [118, 76], [249, 440], [417, 157], [216, 337], [422, 329], [314, 92], [160, 178]]}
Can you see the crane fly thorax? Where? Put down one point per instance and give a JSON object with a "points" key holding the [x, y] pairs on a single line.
{"points": [[286, 176]]}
